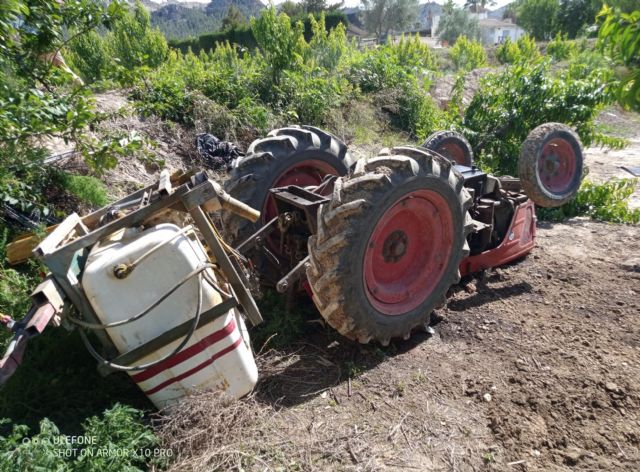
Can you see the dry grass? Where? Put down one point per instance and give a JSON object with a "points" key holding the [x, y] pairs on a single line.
{"points": [[305, 415]]}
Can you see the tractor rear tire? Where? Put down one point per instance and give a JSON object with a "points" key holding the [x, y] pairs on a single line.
{"points": [[451, 145], [550, 165], [389, 244], [287, 156]]}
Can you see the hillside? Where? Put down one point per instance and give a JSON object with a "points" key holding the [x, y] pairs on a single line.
{"points": [[178, 21]]}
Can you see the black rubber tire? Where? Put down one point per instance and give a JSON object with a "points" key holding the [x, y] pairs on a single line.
{"points": [[346, 223], [441, 140], [267, 159], [528, 164]]}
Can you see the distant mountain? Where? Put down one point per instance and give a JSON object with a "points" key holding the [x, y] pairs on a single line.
{"points": [[181, 20]]}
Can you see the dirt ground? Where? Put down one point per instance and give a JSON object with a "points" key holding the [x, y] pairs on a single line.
{"points": [[534, 367], [605, 164]]}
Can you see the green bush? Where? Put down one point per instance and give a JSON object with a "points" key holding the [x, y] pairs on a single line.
{"points": [[243, 36], [602, 202], [134, 43], [117, 441], [561, 48], [512, 103], [522, 50], [468, 55], [89, 56]]}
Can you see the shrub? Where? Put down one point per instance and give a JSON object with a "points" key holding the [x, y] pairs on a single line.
{"points": [[242, 36], [90, 57], [522, 50], [602, 202], [468, 55], [281, 43], [512, 103], [118, 441], [561, 48], [133, 41]]}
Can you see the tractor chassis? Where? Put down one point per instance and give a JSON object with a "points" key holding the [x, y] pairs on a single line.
{"points": [[503, 217]]}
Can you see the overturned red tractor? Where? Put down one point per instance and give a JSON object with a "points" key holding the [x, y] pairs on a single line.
{"points": [[378, 242]]}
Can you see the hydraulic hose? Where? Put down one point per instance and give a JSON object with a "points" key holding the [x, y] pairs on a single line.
{"points": [[185, 340]]}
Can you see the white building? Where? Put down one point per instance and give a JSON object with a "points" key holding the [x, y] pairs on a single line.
{"points": [[492, 31], [497, 31]]}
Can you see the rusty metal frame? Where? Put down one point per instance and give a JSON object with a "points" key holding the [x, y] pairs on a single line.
{"points": [[66, 259]]}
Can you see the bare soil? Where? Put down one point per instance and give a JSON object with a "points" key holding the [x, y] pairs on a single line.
{"points": [[605, 164], [532, 367]]}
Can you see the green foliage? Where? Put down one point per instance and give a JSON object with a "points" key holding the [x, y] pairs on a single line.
{"points": [[292, 79], [243, 35], [561, 48], [468, 55], [574, 16], [128, 48], [117, 441], [456, 22], [391, 65], [15, 287], [89, 55], [234, 19], [134, 43], [537, 17], [512, 103], [39, 100], [86, 188], [619, 36], [281, 43], [602, 202], [282, 327], [382, 16], [523, 50]]}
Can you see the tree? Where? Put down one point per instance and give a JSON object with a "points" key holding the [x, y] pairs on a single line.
{"points": [[478, 6], [456, 22], [538, 17], [316, 6], [618, 36], [234, 19], [382, 16], [134, 42], [290, 8], [574, 15], [39, 100]]}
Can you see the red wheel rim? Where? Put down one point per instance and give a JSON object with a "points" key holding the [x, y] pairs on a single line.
{"points": [[408, 252], [454, 152], [557, 166], [303, 174]]}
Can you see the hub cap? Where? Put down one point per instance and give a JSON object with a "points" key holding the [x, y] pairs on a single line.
{"points": [[557, 166], [407, 252]]}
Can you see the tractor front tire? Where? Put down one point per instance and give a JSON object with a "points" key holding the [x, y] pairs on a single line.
{"points": [[550, 165], [389, 244], [287, 156]]}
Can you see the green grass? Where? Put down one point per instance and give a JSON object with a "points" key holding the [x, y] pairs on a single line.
{"points": [[602, 202], [87, 189]]}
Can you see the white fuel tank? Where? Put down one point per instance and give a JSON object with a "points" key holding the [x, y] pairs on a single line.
{"points": [[218, 356]]}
